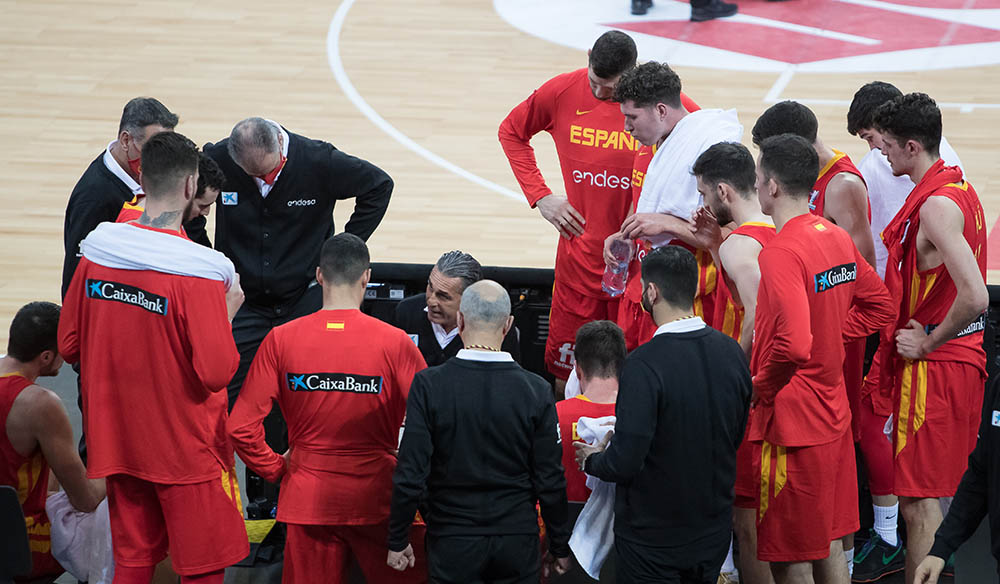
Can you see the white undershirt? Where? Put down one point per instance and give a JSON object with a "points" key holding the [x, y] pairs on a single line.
{"points": [[444, 338], [265, 188], [684, 325], [486, 356], [117, 170]]}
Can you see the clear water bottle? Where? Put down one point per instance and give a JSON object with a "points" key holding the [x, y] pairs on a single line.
{"points": [[616, 275]]}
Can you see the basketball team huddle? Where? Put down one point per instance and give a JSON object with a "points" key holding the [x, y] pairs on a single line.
{"points": [[856, 294], [905, 215]]}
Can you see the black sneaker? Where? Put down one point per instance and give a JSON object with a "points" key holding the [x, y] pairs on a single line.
{"points": [[640, 7], [714, 9], [878, 559]]}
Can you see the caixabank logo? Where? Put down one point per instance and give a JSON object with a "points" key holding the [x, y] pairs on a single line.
{"points": [[846, 36], [126, 294], [347, 382], [836, 276]]}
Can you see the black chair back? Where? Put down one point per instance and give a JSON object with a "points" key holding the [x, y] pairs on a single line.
{"points": [[16, 558]]}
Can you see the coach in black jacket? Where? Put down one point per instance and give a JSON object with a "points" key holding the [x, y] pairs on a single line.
{"points": [[978, 495], [431, 319], [275, 212], [682, 406], [112, 180], [482, 441]]}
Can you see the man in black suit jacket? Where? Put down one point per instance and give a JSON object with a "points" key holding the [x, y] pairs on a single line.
{"points": [[112, 180], [431, 319]]}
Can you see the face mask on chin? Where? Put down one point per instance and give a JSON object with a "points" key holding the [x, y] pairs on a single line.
{"points": [[136, 166]]}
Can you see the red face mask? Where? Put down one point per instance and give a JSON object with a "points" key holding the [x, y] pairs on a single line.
{"points": [[136, 166], [272, 176]]}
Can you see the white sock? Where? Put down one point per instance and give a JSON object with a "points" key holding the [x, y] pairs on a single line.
{"points": [[849, 554], [886, 520], [729, 565]]}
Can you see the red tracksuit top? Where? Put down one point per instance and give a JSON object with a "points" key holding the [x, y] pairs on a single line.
{"points": [[729, 315], [816, 291], [341, 379], [595, 154], [569, 411], [156, 351]]}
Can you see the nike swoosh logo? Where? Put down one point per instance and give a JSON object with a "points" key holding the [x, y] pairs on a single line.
{"points": [[580, 113], [643, 153], [887, 560]]}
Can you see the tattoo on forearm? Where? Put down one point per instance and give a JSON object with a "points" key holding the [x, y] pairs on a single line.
{"points": [[163, 220]]}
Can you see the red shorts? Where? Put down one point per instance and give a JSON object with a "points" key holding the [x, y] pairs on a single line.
{"points": [[571, 310], [808, 497], [876, 450], [322, 553], [854, 378], [747, 485], [40, 543], [201, 524], [938, 409]]}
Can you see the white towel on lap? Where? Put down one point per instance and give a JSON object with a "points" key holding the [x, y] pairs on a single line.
{"points": [[127, 247], [669, 187], [593, 534], [81, 542]]}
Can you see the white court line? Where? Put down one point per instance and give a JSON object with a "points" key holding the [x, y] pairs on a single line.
{"points": [[774, 95], [960, 106], [810, 30], [337, 67]]}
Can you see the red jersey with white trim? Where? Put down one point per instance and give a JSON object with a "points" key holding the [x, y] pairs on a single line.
{"points": [[595, 155], [569, 411], [838, 164], [157, 352], [29, 475], [729, 314], [816, 291], [341, 379], [929, 294]]}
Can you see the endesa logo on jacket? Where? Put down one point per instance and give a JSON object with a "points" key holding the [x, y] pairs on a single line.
{"points": [[348, 382], [118, 292], [836, 276]]}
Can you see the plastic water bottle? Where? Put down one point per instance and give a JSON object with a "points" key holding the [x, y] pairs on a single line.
{"points": [[616, 275]]}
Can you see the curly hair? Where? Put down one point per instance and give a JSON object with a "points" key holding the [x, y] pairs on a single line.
{"points": [[861, 116], [649, 84], [914, 116]]}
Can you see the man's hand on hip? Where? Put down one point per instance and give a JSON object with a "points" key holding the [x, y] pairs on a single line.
{"points": [[557, 211]]}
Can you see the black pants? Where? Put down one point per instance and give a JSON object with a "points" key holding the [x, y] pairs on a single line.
{"points": [[696, 563], [493, 559], [250, 326]]}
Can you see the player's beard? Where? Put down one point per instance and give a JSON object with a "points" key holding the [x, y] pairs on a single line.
{"points": [[723, 215], [189, 211], [647, 306]]}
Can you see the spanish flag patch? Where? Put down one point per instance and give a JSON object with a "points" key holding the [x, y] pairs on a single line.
{"points": [[820, 227], [335, 325]]}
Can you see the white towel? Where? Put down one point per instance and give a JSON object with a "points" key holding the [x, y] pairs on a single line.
{"points": [[127, 247], [81, 542], [669, 187], [572, 388], [593, 534]]}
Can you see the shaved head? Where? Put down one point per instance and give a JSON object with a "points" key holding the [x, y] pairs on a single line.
{"points": [[485, 306]]}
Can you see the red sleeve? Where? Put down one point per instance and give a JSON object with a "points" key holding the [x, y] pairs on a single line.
{"points": [[872, 308], [245, 426], [787, 304], [531, 116], [213, 351], [689, 103], [69, 325]]}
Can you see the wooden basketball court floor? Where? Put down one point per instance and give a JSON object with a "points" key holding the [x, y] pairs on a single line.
{"points": [[441, 73]]}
